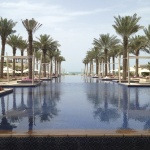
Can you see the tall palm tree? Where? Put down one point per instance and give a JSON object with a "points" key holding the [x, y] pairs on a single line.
{"points": [[31, 26], [45, 43], [59, 60], [23, 45], [106, 42], [13, 41], [51, 54], [114, 52], [85, 61], [6, 28], [137, 44], [96, 55], [90, 57], [125, 27], [56, 56], [37, 57]]}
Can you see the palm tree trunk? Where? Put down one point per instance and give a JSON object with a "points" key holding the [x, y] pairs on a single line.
{"points": [[108, 65], [2, 58], [137, 64], [14, 60], [87, 70], [105, 51], [113, 59], [30, 53], [55, 67], [21, 63], [51, 68], [125, 44], [44, 65], [97, 66], [90, 68], [60, 68], [37, 60], [84, 72]]}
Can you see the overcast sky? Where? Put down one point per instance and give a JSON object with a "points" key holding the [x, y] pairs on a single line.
{"points": [[74, 23]]}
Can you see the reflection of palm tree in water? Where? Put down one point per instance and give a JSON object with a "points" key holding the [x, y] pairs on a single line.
{"points": [[125, 108], [22, 105], [4, 125], [136, 105], [45, 112], [30, 109], [48, 108], [125, 126], [14, 118], [105, 114]]}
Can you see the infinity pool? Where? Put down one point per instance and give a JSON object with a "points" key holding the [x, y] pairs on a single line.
{"points": [[75, 102]]}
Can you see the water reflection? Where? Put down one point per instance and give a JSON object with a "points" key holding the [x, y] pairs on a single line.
{"points": [[5, 126], [49, 109], [113, 102], [99, 95], [29, 104], [76, 103]]}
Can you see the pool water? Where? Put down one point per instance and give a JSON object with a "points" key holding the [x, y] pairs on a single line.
{"points": [[75, 102]]}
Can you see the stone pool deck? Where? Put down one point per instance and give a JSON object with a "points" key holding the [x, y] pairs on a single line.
{"points": [[17, 83], [75, 139], [6, 91], [136, 84], [133, 83]]}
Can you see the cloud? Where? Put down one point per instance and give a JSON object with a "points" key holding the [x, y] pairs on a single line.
{"points": [[90, 12]]}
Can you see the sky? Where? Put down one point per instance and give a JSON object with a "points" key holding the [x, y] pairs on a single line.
{"points": [[74, 23]]}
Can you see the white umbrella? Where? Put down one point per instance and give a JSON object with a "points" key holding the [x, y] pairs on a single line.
{"points": [[17, 71], [5, 70], [26, 71], [145, 70]]}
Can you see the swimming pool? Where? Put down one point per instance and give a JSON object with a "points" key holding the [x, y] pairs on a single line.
{"points": [[75, 102]]}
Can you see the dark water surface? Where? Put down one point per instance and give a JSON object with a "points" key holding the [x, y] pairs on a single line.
{"points": [[75, 102]]}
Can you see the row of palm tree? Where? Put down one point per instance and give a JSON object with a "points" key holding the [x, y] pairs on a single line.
{"points": [[44, 45], [110, 46]]}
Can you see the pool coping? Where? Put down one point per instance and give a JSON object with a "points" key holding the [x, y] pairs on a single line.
{"points": [[6, 91], [76, 133]]}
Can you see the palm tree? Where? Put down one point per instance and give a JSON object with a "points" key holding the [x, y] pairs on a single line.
{"points": [[56, 56], [96, 55], [114, 52], [45, 43], [51, 54], [147, 33], [23, 45], [106, 42], [59, 60], [31, 26], [6, 28], [85, 61], [13, 41], [138, 43], [125, 27], [90, 57], [37, 57]]}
